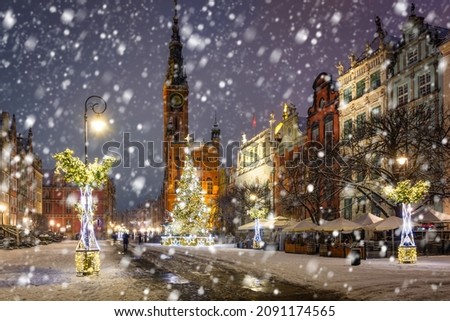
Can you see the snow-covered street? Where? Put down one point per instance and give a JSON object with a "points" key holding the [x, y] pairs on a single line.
{"points": [[222, 272]]}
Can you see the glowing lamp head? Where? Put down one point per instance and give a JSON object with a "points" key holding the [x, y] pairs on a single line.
{"points": [[98, 124], [402, 160]]}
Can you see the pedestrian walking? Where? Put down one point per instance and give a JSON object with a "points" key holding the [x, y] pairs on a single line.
{"points": [[125, 238]]}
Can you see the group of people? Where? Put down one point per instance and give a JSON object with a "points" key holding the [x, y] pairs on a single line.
{"points": [[126, 239]]}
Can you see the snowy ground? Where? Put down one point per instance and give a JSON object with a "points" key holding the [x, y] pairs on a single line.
{"points": [[47, 273], [374, 279]]}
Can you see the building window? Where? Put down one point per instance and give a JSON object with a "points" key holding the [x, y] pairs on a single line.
{"points": [[348, 208], [359, 176], [362, 204], [329, 125], [322, 103], [375, 112], [348, 127], [374, 208], [402, 94], [68, 209], [361, 125], [376, 166], [424, 84], [347, 95], [360, 88], [412, 56], [47, 208], [209, 186], [375, 80], [329, 131], [315, 133]]}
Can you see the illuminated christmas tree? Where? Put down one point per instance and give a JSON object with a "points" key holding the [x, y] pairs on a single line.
{"points": [[190, 215]]}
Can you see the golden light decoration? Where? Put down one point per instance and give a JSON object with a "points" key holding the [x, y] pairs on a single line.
{"points": [[407, 254], [87, 262]]}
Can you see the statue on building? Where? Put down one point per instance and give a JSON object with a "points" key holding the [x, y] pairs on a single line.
{"points": [[413, 9], [340, 68], [352, 59], [244, 138]]}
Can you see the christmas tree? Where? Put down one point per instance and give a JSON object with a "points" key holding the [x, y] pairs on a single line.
{"points": [[190, 215]]}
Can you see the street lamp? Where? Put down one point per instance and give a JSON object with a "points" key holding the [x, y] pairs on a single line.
{"points": [[402, 160], [87, 257], [52, 223], [98, 105]]}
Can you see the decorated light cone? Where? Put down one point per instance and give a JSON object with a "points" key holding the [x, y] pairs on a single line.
{"points": [[406, 194]]}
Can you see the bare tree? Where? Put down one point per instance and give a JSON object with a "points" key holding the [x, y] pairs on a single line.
{"points": [[305, 189], [235, 203], [404, 143]]}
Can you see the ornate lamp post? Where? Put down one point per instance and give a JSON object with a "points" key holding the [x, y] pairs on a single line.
{"points": [[87, 255], [84, 175]]}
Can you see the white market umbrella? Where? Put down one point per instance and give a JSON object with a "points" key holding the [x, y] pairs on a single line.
{"points": [[302, 226], [277, 222], [428, 215], [390, 223], [251, 225], [340, 224], [367, 219]]}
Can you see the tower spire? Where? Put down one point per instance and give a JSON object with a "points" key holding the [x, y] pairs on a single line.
{"points": [[215, 131], [175, 71], [380, 31], [175, 28]]}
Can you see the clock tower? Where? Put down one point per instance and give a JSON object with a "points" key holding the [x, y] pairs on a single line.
{"points": [[206, 156], [175, 89], [175, 109]]}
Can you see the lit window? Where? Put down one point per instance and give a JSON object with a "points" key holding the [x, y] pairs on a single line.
{"points": [[209, 186]]}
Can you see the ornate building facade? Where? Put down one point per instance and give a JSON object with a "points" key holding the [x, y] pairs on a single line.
{"points": [[323, 133], [391, 72], [363, 94], [20, 177]]}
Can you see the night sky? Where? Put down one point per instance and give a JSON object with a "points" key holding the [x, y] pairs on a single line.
{"points": [[242, 58]]}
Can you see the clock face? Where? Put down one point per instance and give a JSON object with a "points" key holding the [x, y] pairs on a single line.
{"points": [[176, 100]]}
